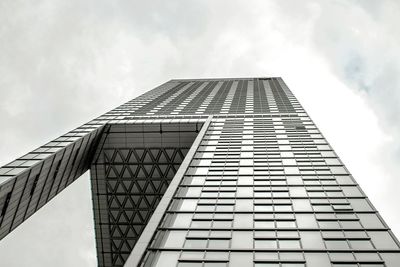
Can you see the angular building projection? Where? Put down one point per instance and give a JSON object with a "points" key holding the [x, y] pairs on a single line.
{"points": [[207, 172]]}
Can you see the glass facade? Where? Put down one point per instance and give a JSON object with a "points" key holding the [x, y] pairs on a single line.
{"points": [[268, 191], [208, 172]]}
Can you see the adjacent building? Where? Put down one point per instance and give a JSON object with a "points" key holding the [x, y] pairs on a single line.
{"points": [[211, 173]]}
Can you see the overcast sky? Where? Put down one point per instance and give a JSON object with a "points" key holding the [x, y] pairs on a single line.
{"points": [[64, 62]]}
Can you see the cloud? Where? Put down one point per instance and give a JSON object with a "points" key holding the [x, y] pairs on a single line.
{"points": [[360, 45], [357, 41], [64, 63]]}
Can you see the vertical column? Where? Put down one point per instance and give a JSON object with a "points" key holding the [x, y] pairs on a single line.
{"points": [[250, 98], [184, 103], [193, 105], [208, 99], [169, 99], [270, 97], [228, 102], [295, 103]]}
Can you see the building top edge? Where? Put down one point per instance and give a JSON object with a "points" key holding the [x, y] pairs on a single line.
{"points": [[224, 79]]}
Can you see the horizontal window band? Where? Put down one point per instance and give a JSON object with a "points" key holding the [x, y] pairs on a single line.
{"points": [[274, 220], [369, 262], [345, 238], [280, 261], [208, 238], [278, 212], [203, 261], [272, 229], [280, 250], [273, 198], [213, 219], [277, 238]]}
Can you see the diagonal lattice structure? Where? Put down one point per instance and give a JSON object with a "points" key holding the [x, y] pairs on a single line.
{"points": [[129, 179]]}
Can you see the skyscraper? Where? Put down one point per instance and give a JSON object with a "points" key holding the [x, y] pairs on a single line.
{"points": [[207, 172]]}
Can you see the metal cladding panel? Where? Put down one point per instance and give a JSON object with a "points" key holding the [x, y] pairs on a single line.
{"points": [[29, 182]]}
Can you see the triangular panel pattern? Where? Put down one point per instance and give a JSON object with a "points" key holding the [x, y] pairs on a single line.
{"points": [[136, 180]]}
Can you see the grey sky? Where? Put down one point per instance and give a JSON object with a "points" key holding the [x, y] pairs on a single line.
{"points": [[64, 62]]}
